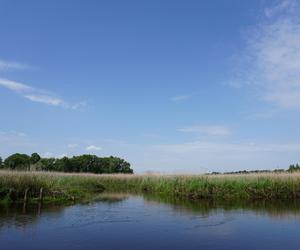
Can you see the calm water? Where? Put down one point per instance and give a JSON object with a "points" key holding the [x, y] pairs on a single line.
{"points": [[135, 222]]}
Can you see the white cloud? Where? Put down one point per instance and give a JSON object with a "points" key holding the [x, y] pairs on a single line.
{"points": [[31, 93], [93, 148], [38, 95], [72, 145], [45, 99], [6, 66], [207, 130], [288, 6], [14, 86], [271, 59]]}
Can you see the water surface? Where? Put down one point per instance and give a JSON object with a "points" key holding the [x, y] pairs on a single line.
{"points": [[135, 222]]}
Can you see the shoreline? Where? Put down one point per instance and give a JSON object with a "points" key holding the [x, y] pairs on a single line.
{"points": [[53, 187]]}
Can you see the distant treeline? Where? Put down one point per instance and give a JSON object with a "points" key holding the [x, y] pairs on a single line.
{"points": [[78, 164], [292, 168]]}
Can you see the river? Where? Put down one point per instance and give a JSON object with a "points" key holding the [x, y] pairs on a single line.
{"points": [[121, 221]]}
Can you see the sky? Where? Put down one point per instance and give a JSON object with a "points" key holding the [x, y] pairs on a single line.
{"points": [[171, 86]]}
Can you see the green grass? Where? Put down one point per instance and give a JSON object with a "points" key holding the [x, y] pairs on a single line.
{"points": [[223, 187], [74, 187], [55, 187]]}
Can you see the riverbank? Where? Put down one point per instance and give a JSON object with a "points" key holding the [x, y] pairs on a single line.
{"points": [[55, 187], [16, 186]]}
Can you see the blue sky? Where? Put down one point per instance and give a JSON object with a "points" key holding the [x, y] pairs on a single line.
{"points": [[171, 86]]}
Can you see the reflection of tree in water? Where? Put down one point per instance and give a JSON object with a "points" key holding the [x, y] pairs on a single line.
{"points": [[205, 213], [19, 215], [205, 208]]}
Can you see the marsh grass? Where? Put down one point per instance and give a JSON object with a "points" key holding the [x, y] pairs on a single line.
{"points": [[63, 186], [55, 187], [225, 187]]}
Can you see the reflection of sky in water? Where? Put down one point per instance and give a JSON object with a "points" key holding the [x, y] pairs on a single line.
{"points": [[137, 223]]}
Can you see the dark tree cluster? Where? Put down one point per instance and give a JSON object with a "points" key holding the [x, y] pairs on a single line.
{"points": [[78, 164], [294, 168]]}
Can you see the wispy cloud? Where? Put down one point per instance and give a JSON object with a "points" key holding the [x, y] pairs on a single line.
{"points": [[45, 99], [271, 59], [220, 156], [14, 86], [38, 95], [179, 98], [93, 148], [8, 66], [31, 93], [228, 147], [13, 133], [14, 139], [78, 105], [288, 6], [207, 130]]}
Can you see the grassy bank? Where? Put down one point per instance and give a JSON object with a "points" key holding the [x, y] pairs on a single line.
{"points": [[281, 186], [47, 187], [59, 186]]}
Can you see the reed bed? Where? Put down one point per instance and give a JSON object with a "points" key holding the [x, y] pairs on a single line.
{"points": [[49, 187], [271, 186]]}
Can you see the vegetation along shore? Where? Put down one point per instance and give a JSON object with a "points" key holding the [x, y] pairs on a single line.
{"points": [[34, 179], [33, 186]]}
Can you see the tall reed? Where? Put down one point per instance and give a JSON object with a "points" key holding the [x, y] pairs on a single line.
{"points": [[281, 186]]}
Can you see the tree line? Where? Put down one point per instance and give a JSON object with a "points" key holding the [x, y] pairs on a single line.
{"points": [[78, 164], [292, 168]]}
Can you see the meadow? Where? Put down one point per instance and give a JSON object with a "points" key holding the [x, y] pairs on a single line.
{"points": [[54, 187]]}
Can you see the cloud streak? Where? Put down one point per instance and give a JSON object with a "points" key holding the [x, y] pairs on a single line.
{"points": [[37, 95], [206, 130], [31, 93], [14, 86], [234, 148], [270, 61], [8, 66], [49, 100]]}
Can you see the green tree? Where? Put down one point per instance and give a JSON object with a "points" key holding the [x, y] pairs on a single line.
{"points": [[294, 168], [35, 158], [17, 161], [1, 163], [80, 164], [48, 164]]}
